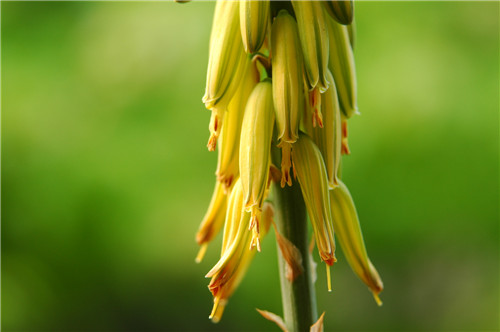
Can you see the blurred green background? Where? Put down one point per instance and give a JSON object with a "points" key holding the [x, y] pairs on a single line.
{"points": [[106, 175]]}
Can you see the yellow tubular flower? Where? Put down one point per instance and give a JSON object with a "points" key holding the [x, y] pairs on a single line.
{"points": [[348, 232], [235, 257], [229, 143], [254, 20], [313, 33], [341, 64], [255, 146], [341, 10], [311, 172], [328, 139], [288, 86], [226, 65], [213, 220]]}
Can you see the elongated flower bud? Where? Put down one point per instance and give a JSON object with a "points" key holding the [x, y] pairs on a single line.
{"points": [[254, 20], [348, 232], [226, 64], [255, 157], [313, 32], [311, 172], [229, 142], [341, 10], [341, 64], [288, 88], [328, 139], [235, 256], [213, 220]]}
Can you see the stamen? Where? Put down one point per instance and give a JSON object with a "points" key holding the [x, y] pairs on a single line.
{"points": [[217, 310], [214, 127], [377, 299], [201, 253], [212, 142], [315, 102], [255, 227], [328, 278], [255, 242]]}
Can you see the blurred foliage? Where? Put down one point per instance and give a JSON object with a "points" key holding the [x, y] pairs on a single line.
{"points": [[106, 175]]}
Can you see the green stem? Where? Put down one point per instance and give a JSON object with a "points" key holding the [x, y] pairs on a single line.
{"points": [[299, 298]]}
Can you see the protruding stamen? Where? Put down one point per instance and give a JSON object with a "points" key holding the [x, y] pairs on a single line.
{"points": [[255, 240], [255, 227], [315, 100], [201, 253], [212, 142], [328, 278], [214, 127], [377, 299], [217, 309]]}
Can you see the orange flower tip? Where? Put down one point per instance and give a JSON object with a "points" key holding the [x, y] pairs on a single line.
{"points": [[377, 299], [212, 142], [201, 253]]}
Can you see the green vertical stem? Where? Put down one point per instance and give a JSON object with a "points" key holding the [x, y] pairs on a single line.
{"points": [[299, 297]]}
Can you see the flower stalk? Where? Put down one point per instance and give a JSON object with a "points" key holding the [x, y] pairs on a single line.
{"points": [[298, 296]]}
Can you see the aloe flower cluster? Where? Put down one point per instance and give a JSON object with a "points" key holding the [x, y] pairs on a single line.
{"points": [[281, 86]]}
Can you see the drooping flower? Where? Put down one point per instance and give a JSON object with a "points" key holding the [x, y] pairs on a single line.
{"points": [[281, 86], [235, 256]]}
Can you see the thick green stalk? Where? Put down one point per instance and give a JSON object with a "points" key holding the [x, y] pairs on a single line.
{"points": [[299, 297]]}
